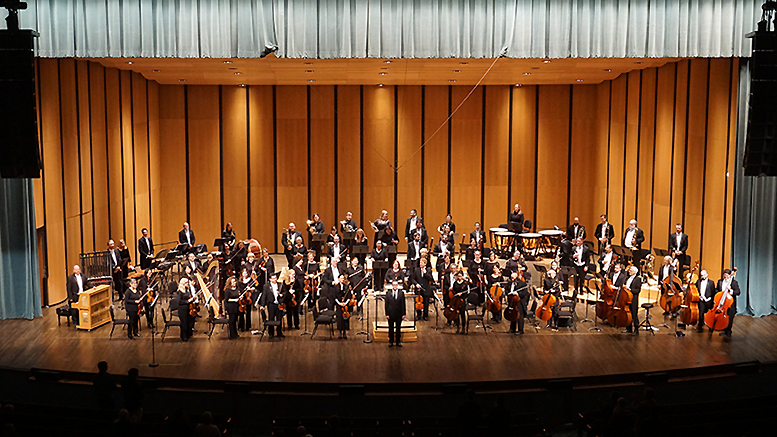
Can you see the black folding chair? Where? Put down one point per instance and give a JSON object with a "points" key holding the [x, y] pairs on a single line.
{"points": [[115, 321], [213, 321], [325, 317], [168, 323], [274, 323]]}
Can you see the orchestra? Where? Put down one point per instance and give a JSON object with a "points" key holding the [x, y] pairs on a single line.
{"points": [[462, 281]]}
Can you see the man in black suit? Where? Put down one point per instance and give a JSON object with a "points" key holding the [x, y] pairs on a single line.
{"points": [[412, 224], [478, 236], [516, 217], [728, 283], [422, 278], [75, 285], [115, 263], [421, 229], [576, 230], [444, 247], [330, 280], [193, 263], [271, 298], [706, 288], [678, 245], [395, 313], [604, 232], [288, 239], [633, 239], [618, 276], [146, 249], [414, 247], [186, 235], [581, 256], [634, 284], [336, 251], [607, 259]]}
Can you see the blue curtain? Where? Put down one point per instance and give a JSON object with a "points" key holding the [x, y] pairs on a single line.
{"points": [[19, 280], [755, 224]]}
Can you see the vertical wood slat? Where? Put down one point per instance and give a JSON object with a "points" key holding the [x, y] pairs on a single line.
{"points": [[552, 157], [99, 157], [172, 174], [584, 163], [291, 163], [631, 149], [128, 162], [408, 142], [466, 155], [524, 158], [436, 156], [85, 152], [140, 159], [662, 178], [645, 150], [348, 157], [70, 160], [263, 168], [497, 124], [616, 170], [322, 158], [235, 143]]}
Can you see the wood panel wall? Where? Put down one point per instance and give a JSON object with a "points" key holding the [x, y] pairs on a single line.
{"points": [[121, 153]]}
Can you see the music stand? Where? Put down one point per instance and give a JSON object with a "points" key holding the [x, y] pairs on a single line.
{"points": [[220, 242], [412, 263], [381, 267], [360, 250], [349, 236], [321, 240]]}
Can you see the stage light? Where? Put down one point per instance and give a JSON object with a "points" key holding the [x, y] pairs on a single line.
{"points": [[308, 71], [386, 61], [311, 80], [527, 74], [579, 80], [237, 73], [451, 80], [181, 80], [129, 62], [382, 73], [546, 61], [227, 62]]}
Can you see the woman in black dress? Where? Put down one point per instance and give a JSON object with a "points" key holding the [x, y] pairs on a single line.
{"points": [[395, 274], [360, 240], [495, 278], [146, 282], [185, 298], [342, 299], [231, 297], [461, 288], [249, 284]]}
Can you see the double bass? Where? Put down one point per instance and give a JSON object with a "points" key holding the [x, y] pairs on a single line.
{"points": [[606, 297], [689, 313], [717, 317], [671, 288], [619, 315]]}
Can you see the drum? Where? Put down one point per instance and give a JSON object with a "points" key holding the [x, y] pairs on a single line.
{"points": [[503, 240], [530, 240], [551, 239], [491, 233]]}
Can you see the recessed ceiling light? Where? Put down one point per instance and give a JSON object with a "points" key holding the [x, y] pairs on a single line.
{"points": [[382, 73], [227, 62], [579, 80], [308, 63], [518, 84], [380, 84], [527, 74], [311, 80], [237, 73], [457, 71], [463, 63], [546, 61], [129, 62], [451, 80], [638, 62], [535, 68], [232, 68], [242, 85], [181, 80], [308, 71], [155, 70], [386, 61], [607, 70]]}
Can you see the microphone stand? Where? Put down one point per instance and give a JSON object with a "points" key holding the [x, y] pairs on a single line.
{"points": [[367, 312], [305, 315], [598, 296], [152, 307], [361, 303]]}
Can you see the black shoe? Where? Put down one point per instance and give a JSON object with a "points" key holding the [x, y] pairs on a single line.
{"points": [[666, 313], [132, 338], [137, 335], [519, 333], [399, 344], [636, 332], [281, 336], [345, 337], [511, 331], [391, 344], [699, 329], [626, 331]]}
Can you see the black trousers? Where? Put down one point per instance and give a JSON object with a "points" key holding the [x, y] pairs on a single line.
{"points": [[395, 333], [520, 322], [274, 314], [634, 313], [187, 322], [134, 319], [292, 316], [118, 284], [244, 319], [703, 308], [731, 313], [579, 279], [149, 313], [74, 315], [233, 318]]}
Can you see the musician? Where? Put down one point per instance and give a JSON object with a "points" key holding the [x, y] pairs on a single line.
{"points": [[552, 285], [348, 225], [381, 224], [492, 261], [618, 276], [390, 239], [604, 232], [478, 236], [131, 306], [443, 267], [294, 291], [678, 245], [576, 230], [146, 249], [115, 263], [299, 248], [193, 263], [379, 253], [633, 239], [336, 250], [667, 270], [469, 254], [580, 258], [264, 265], [228, 234], [245, 285], [395, 273], [412, 224], [231, 304], [447, 227], [517, 263], [186, 235], [447, 278], [516, 218], [315, 226], [147, 286], [421, 277], [519, 288], [607, 259], [425, 255], [395, 313], [251, 264], [312, 268], [706, 288], [476, 269], [461, 288], [271, 298], [329, 281], [288, 240], [634, 284], [414, 247], [330, 238], [343, 295], [564, 255], [728, 283], [443, 248], [356, 276], [495, 278], [421, 229], [360, 240], [126, 261], [75, 285], [185, 297]]}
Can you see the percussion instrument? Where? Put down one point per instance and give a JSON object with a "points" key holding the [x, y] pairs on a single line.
{"points": [[503, 241], [551, 238], [531, 241]]}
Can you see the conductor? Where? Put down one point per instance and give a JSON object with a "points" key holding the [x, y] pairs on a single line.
{"points": [[395, 313]]}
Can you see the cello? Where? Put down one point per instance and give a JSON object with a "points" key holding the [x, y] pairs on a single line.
{"points": [[717, 317], [511, 312], [619, 315], [495, 298], [545, 311], [671, 287], [689, 313]]}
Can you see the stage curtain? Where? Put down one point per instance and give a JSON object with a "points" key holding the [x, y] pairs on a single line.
{"points": [[393, 28], [755, 224], [19, 284]]}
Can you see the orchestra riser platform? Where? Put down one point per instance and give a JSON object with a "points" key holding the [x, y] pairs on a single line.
{"points": [[380, 332]]}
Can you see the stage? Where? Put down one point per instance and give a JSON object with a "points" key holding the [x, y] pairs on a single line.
{"points": [[437, 357]]}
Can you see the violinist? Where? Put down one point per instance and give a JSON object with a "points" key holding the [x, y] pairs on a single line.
{"points": [[336, 250], [395, 273], [492, 261], [185, 297], [443, 268], [343, 295], [330, 238], [414, 247], [634, 284], [517, 287], [132, 299], [265, 264], [193, 263], [231, 299], [390, 239], [552, 285], [517, 263], [706, 288], [478, 236], [423, 281], [272, 297], [245, 285], [461, 288], [251, 264], [729, 284], [330, 281], [146, 283], [294, 291], [495, 278], [356, 275], [443, 248], [229, 237], [617, 276], [360, 240], [311, 267], [667, 270]]}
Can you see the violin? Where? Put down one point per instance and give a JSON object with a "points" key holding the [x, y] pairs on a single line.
{"points": [[689, 313], [717, 317], [245, 300]]}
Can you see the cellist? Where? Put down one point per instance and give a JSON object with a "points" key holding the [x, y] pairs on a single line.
{"points": [[706, 288], [728, 283], [495, 278], [634, 284], [552, 285], [517, 287]]}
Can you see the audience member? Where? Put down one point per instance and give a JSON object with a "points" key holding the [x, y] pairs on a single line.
{"points": [[206, 428], [104, 387]]}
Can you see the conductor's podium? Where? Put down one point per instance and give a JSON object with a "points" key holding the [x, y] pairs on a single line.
{"points": [[94, 307], [380, 331]]}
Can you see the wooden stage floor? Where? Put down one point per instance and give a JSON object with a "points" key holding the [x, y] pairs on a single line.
{"points": [[437, 356]]}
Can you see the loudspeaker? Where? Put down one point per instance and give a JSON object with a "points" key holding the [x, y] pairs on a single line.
{"points": [[761, 144], [18, 113]]}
